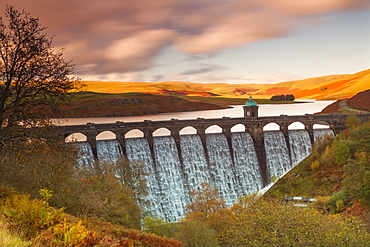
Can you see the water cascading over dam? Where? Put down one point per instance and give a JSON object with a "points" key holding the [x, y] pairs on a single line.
{"points": [[234, 170]]}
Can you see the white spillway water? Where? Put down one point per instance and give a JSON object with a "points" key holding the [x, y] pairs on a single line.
{"points": [[247, 171], [109, 150], [300, 145], [138, 150], [277, 154], [174, 196], [87, 157], [195, 168], [320, 133], [234, 174], [222, 172]]}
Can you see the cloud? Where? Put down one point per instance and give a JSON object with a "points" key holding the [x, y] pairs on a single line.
{"points": [[241, 79], [125, 77], [143, 44], [232, 31], [115, 37], [203, 69], [311, 7]]}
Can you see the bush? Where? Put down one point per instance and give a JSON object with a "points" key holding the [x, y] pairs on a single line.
{"points": [[196, 233], [271, 223], [159, 226], [32, 216], [67, 234]]}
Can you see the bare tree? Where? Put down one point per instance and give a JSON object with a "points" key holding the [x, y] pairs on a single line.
{"points": [[34, 78]]}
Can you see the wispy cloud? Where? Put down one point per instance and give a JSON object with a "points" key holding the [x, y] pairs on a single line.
{"points": [[119, 36], [205, 68]]}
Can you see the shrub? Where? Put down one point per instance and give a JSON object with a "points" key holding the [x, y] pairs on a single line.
{"points": [[32, 216], [70, 234], [159, 226], [338, 201]]}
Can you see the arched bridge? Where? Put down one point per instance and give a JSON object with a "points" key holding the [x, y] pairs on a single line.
{"points": [[253, 125]]}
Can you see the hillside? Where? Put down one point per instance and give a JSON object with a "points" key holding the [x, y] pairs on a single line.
{"points": [[88, 104], [322, 88], [359, 102], [336, 173], [300, 88], [173, 88]]}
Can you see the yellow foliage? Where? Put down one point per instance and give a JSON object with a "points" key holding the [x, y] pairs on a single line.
{"points": [[70, 234], [315, 165]]}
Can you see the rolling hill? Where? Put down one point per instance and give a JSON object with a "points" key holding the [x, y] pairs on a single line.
{"points": [[174, 88], [333, 87], [330, 87]]}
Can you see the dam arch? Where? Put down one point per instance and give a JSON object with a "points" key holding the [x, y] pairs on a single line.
{"points": [[238, 128], [162, 132], [76, 137], [106, 135], [134, 133], [271, 126], [213, 129], [297, 125], [321, 125], [189, 130]]}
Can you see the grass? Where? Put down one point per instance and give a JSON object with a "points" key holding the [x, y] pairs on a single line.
{"points": [[94, 104], [10, 238], [224, 101], [94, 95]]}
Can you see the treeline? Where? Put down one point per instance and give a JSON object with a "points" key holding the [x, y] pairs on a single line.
{"points": [[288, 97]]}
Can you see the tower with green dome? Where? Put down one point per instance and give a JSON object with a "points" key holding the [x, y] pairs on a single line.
{"points": [[250, 108]]}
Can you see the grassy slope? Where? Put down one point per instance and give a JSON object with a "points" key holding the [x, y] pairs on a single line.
{"points": [[184, 88], [360, 101], [89, 104], [294, 87], [324, 87]]}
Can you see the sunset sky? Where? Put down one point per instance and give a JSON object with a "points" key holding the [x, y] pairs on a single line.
{"points": [[233, 41]]}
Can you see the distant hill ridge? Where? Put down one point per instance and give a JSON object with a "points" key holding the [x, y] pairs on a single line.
{"points": [[332, 87]]}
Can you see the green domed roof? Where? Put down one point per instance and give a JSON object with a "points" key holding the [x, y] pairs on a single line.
{"points": [[250, 102]]}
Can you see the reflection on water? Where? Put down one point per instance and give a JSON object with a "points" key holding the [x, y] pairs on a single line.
{"points": [[309, 107]]}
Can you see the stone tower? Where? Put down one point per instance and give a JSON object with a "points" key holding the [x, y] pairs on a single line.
{"points": [[250, 108]]}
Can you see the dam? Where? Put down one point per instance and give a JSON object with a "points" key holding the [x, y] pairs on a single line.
{"points": [[237, 163]]}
